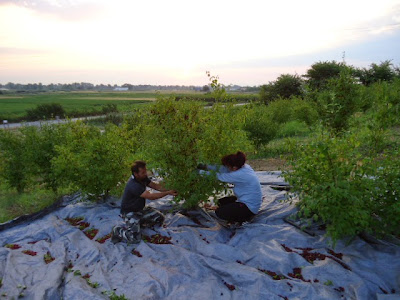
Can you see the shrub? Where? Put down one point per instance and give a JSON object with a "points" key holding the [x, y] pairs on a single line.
{"points": [[285, 86], [40, 144], [348, 190], [260, 126], [109, 108], [45, 111], [94, 162], [320, 73], [14, 163], [338, 102], [180, 134]]}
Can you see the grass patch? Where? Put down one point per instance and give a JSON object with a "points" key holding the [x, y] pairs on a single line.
{"points": [[276, 148], [293, 128], [13, 205]]}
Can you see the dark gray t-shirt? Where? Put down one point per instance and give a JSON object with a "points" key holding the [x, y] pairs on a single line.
{"points": [[131, 200]]}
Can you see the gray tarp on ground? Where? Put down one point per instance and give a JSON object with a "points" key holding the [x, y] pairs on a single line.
{"points": [[197, 264]]}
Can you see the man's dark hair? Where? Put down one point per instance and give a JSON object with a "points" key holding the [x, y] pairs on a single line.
{"points": [[139, 164], [234, 160]]}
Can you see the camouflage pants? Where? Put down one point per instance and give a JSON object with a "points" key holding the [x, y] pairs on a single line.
{"points": [[147, 217]]}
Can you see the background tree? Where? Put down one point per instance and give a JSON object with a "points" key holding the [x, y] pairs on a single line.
{"points": [[180, 134], [320, 73], [382, 72], [45, 111], [285, 86]]}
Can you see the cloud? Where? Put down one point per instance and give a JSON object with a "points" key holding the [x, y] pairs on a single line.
{"points": [[63, 9]]}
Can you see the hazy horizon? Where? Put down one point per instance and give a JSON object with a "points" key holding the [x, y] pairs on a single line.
{"points": [[174, 43]]}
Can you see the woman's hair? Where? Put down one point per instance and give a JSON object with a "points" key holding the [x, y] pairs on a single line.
{"points": [[234, 160]]}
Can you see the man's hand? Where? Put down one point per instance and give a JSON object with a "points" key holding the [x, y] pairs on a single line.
{"points": [[172, 193]]}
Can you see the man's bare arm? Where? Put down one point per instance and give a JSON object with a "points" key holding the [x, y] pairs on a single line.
{"points": [[157, 186], [154, 196]]}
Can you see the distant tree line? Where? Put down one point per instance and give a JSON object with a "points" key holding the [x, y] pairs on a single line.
{"points": [[85, 86], [319, 75]]}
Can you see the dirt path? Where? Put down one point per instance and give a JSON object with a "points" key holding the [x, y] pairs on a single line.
{"points": [[268, 164]]}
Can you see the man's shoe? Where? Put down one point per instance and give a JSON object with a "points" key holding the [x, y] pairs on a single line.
{"points": [[132, 237], [116, 235]]}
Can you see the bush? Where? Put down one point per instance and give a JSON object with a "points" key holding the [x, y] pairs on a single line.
{"points": [[320, 73], [94, 162], [109, 108], [45, 111], [338, 102], [40, 146], [180, 134], [260, 126], [285, 87], [350, 191], [14, 163]]}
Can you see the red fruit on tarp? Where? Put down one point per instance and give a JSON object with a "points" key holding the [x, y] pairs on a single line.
{"points": [[286, 248], [29, 252], [337, 255], [104, 238], [48, 258], [83, 225], [230, 286], [91, 233], [13, 246], [74, 221], [157, 239], [137, 253]]}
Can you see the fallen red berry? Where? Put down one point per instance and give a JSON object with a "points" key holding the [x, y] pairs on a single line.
{"points": [[91, 233], [29, 252], [231, 287], [137, 253], [104, 238], [13, 246], [83, 225], [48, 258], [74, 221]]}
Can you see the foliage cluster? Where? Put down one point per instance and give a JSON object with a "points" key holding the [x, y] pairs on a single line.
{"points": [[264, 123], [350, 190], [285, 86], [45, 111], [73, 154], [180, 134]]}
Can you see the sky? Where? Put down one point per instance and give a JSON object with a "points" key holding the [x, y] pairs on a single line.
{"points": [[175, 42]]}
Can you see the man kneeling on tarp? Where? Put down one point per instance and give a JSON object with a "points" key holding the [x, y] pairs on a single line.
{"points": [[133, 208]]}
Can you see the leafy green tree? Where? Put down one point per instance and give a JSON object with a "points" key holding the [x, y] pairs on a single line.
{"points": [[338, 102], [40, 145], [376, 73], [45, 111], [320, 73], [96, 163], [350, 191], [180, 134], [260, 126], [285, 86], [14, 163], [219, 91]]}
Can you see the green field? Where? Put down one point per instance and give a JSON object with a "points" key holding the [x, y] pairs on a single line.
{"points": [[13, 106]]}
